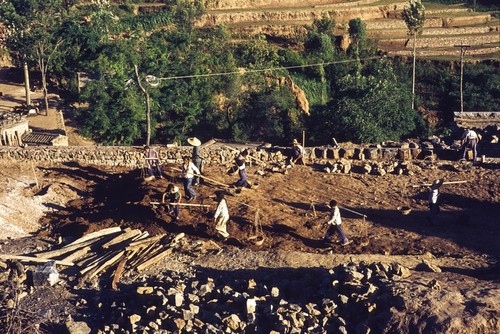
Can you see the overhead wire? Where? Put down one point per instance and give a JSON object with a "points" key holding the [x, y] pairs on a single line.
{"points": [[245, 71]]}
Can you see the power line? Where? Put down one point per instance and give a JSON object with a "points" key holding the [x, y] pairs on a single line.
{"points": [[244, 71]]}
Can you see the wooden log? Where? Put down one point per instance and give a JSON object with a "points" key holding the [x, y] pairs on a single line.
{"points": [[119, 272], [97, 234], [143, 235], [145, 254], [161, 254], [34, 259], [107, 264], [145, 242], [67, 249], [100, 259], [77, 254], [129, 235]]}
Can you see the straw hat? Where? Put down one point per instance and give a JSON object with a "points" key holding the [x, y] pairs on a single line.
{"points": [[437, 183], [193, 141], [295, 142]]}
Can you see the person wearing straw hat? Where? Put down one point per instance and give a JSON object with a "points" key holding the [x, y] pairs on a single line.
{"points": [[174, 198], [297, 153], [189, 170], [335, 224], [221, 215], [196, 157], [434, 200], [469, 140]]}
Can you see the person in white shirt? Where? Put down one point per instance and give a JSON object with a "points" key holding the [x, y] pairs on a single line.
{"points": [[297, 153], [240, 163], [221, 215], [433, 200], [335, 224], [469, 140], [152, 162], [189, 170]]}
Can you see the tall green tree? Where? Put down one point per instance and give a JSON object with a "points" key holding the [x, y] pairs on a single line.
{"points": [[414, 16], [33, 33]]}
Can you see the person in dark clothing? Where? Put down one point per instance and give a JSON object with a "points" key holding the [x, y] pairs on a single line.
{"points": [[196, 157], [153, 162], [240, 163]]}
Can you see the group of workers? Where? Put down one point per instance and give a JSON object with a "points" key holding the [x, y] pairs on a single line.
{"points": [[191, 170]]}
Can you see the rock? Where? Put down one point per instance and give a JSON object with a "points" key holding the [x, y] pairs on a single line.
{"points": [[275, 292], [187, 315], [134, 319], [206, 288], [311, 308], [179, 324], [233, 322], [178, 299], [144, 290], [77, 327], [251, 305], [400, 270], [427, 266], [434, 284]]}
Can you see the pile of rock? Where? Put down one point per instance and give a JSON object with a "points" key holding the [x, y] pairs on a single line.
{"points": [[344, 299]]}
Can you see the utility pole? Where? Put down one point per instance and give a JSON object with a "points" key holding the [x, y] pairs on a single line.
{"points": [[27, 84], [463, 48]]}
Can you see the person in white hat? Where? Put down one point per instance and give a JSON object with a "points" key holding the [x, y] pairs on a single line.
{"points": [[297, 153], [174, 198], [196, 157]]}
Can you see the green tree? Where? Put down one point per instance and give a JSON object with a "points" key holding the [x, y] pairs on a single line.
{"points": [[33, 33], [367, 109], [414, 17]]}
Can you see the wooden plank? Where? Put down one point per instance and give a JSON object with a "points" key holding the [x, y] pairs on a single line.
{"points": [[70, 248], [102, 258], [121, 238], [446, 182], [76, 255], [34, 259], [180, 204], [107, 264], [145, 241], [97, 234], [162, 254]]}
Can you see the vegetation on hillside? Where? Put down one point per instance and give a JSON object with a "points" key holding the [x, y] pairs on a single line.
{"points": [[203, 82]]}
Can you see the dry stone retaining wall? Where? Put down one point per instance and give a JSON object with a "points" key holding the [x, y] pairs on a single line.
{"points": [[134, 156]]}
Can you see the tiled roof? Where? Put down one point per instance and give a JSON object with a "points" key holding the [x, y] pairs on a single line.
{"points": [[37, 138]]}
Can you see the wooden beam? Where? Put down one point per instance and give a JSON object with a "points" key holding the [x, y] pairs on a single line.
{"points": [[446, 182], [97, 234], [180, 204], [34, 259]]}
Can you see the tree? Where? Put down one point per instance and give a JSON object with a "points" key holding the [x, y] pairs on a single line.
{"points": [[367, 109], [414, 17], [33, 33], [357, 33]]}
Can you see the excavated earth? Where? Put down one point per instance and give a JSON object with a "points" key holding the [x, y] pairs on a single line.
{"points": [[439, 278]]}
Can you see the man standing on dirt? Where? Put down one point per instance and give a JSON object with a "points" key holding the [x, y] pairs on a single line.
{"points": [[221, 215], [189, 170], [433, 200], [196, 157], [152, 162], [335, 224], [240, 163], [174, 198], [469, 140]]}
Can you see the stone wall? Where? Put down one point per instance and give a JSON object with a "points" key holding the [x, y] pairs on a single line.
{"points": [[12, 127], [134, 156]]}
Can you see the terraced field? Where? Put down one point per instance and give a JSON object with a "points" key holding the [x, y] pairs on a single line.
{"points": [[446, 25]]}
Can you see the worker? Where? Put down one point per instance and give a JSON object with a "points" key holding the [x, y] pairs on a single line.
{"points": [[297, 154], [240, 163], [470, 139], [221, 215], [335, 224], [434, 200], [152, 162], [189, 170], [174, 198], [196, 157]]}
